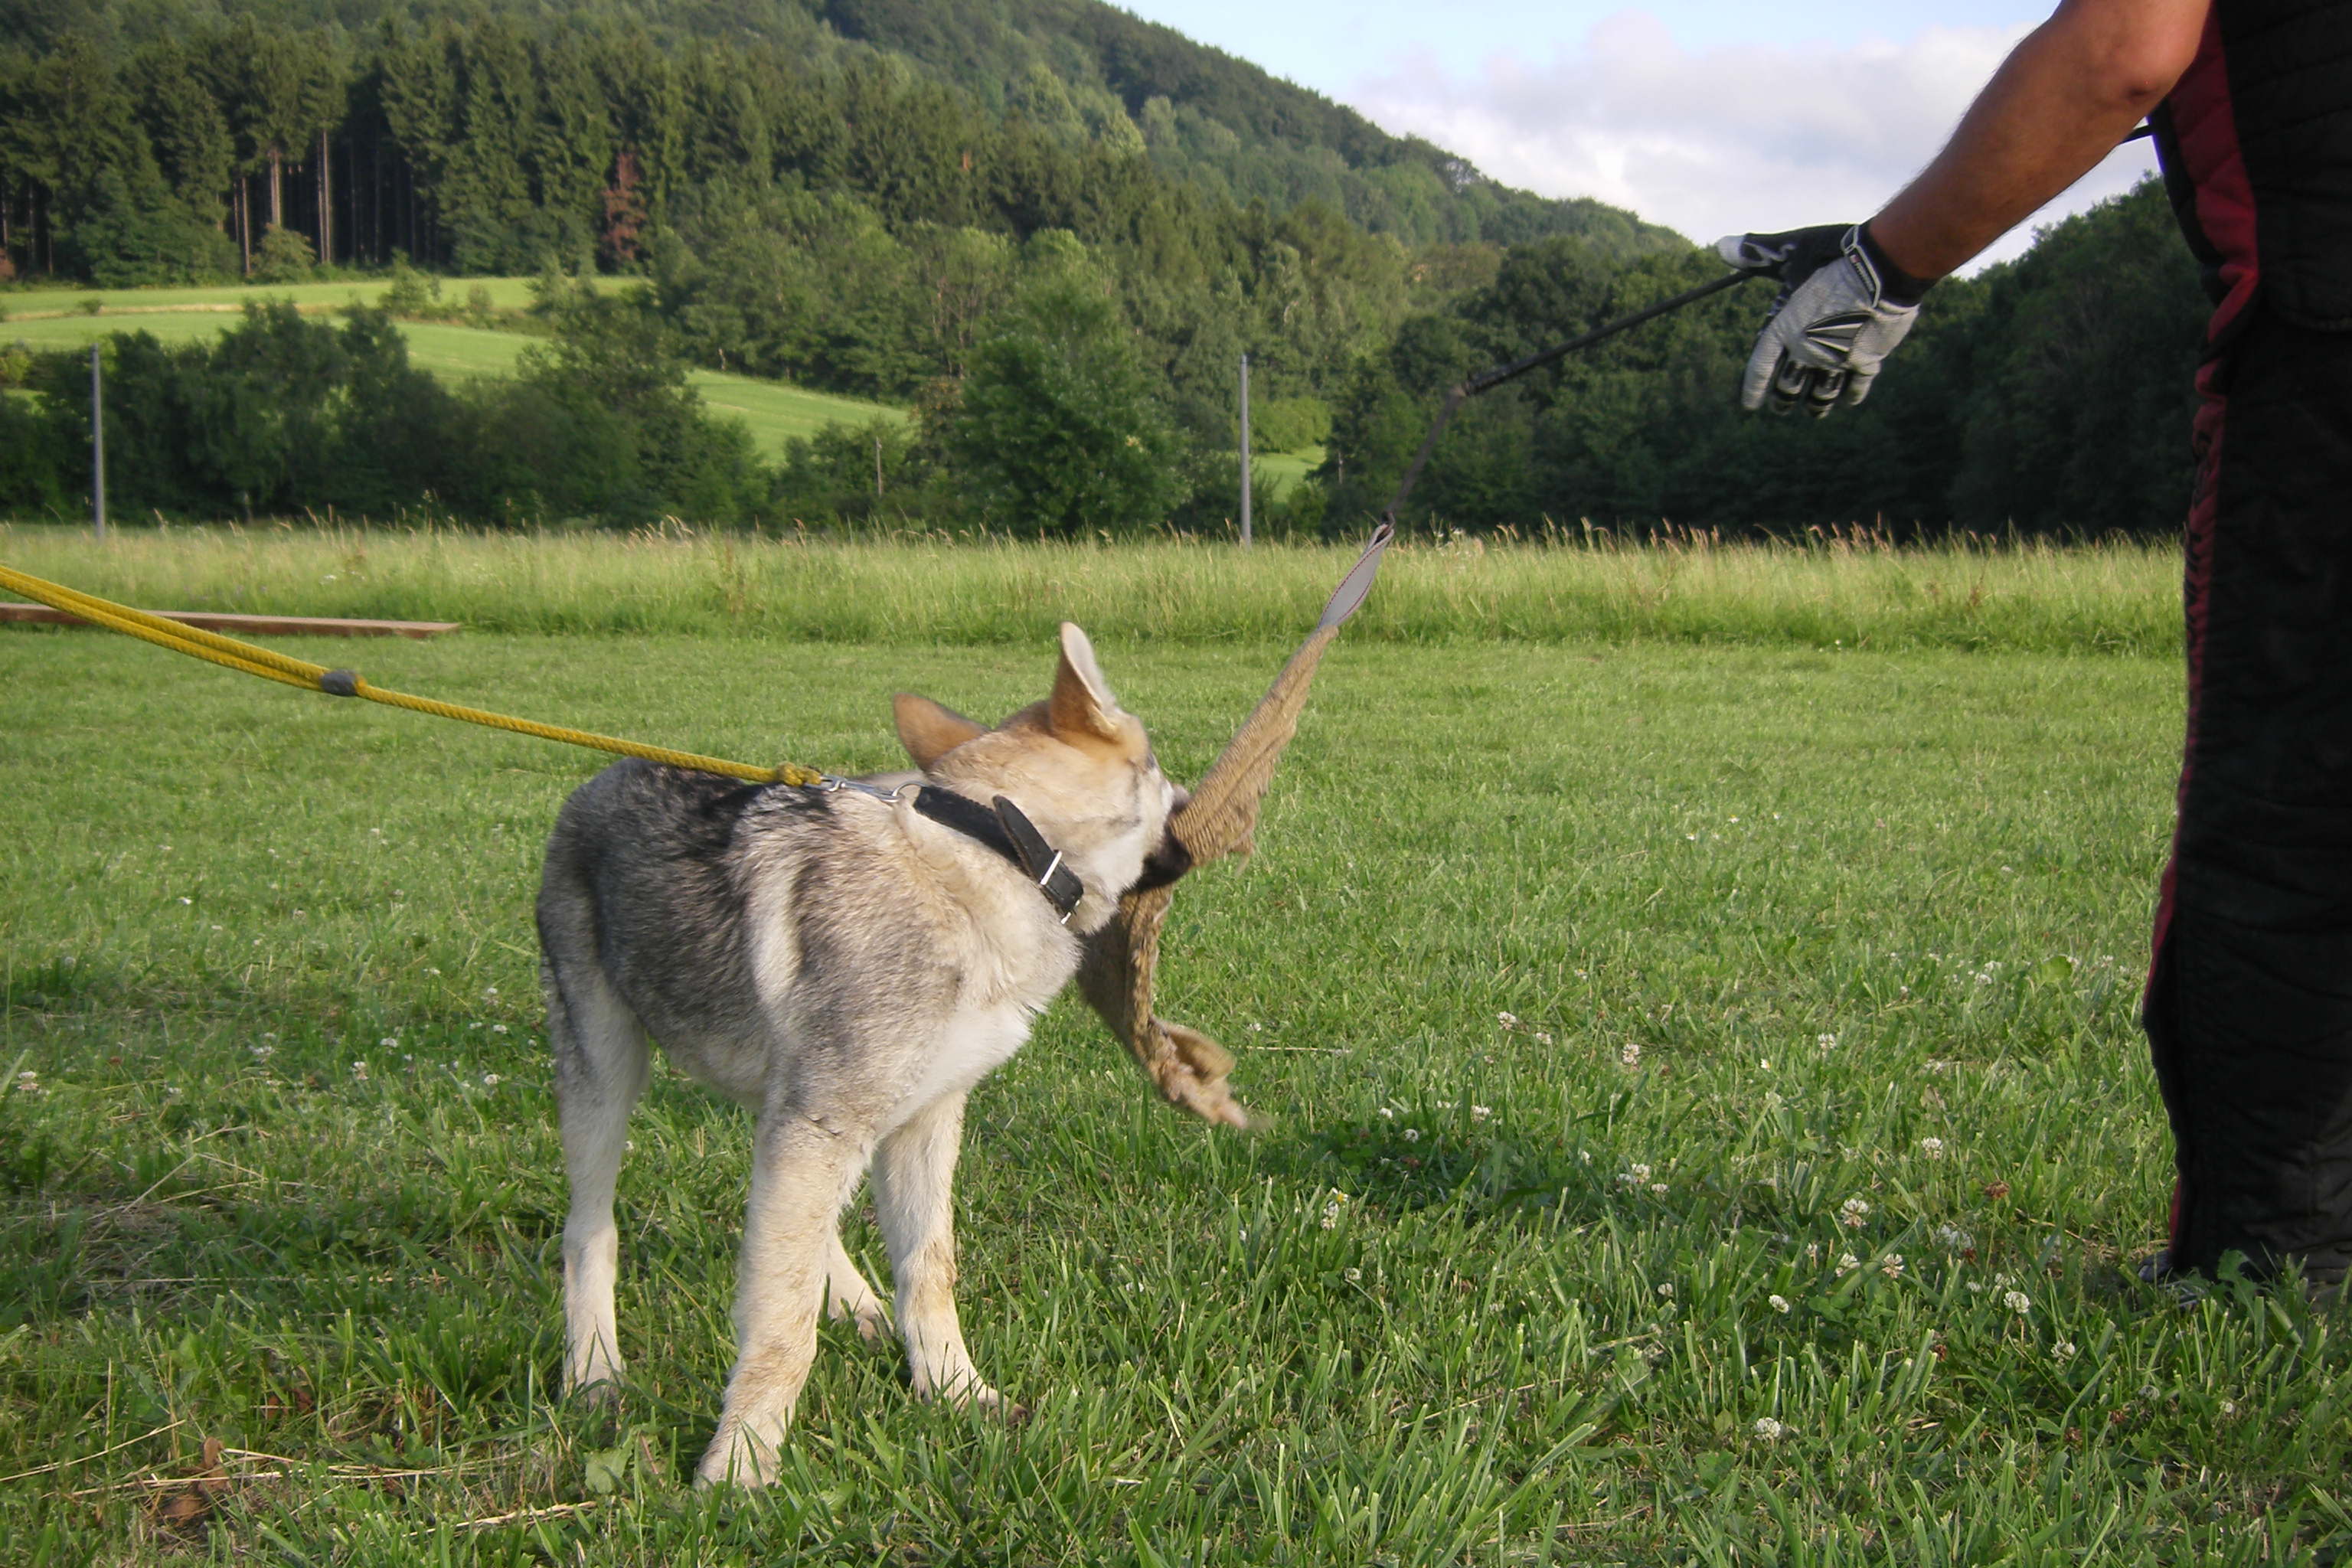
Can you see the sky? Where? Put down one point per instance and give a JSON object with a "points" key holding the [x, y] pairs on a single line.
{"points": [[1709, 116]]}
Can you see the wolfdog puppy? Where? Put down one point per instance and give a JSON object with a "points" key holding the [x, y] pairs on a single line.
{"points": [[847, 962]]}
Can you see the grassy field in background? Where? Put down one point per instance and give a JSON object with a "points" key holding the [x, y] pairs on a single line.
{"points": [[776, 412], [23, 305], [2108, 598], [1705, 1123]]}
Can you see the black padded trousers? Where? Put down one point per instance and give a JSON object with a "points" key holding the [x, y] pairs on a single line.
{"points": [[2248, 1004]]}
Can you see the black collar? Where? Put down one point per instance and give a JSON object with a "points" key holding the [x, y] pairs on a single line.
{"points": [[1010, 833]]}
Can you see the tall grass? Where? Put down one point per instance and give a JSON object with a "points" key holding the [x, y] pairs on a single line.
{"points": [[1829, 590]]}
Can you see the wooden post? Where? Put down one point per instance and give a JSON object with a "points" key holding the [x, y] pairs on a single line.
{"points": [[1245, 454], [877, 465], [97, 447]]}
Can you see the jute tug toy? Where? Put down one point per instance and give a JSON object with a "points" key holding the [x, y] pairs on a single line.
{"points": [[1122, 959]]}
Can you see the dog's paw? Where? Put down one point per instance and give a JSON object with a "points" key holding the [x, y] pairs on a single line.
{"points": [[601, 1395], [738, 1457], [594, 1382], [965, 1392], [871, 1320]]}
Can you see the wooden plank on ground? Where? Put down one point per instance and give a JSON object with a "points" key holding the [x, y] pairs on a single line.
{"points": [[283, 625]]}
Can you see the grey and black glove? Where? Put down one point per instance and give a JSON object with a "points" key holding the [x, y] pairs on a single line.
{"points": [[1842, 309]]}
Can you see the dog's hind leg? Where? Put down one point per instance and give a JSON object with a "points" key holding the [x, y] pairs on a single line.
{"points": [[601, 1063], [848, 1297], [802, 1173], [914, 1177]]}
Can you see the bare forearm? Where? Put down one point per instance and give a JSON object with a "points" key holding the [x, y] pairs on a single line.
{"points": [[2061, 101]]}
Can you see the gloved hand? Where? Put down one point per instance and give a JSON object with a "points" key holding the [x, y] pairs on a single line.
{"points": [[1842, 309]]}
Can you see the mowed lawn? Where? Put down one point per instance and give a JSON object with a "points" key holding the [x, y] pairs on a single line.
{"points": [[1704, 1122]]}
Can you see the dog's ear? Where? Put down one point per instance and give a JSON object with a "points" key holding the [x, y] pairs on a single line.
{"points": [[1082, 703], [929, 731]]}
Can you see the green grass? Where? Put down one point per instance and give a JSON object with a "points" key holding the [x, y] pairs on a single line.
{"points": [[2114, 598], [1764, 920], [24, 305], [1282, 470], [775, 412]]}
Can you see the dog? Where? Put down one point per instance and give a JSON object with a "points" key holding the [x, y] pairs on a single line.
{"points": [[848, 961]]}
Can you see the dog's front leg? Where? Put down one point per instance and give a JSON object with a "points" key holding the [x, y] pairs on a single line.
{"points": [[801, 1173], [914, 1177]]}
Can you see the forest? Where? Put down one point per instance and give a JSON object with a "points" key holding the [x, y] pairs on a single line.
{"points": [[1047, 227]]}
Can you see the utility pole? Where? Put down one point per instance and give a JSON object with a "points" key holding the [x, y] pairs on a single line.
{"points": [[1245, 454], [97, 448]]}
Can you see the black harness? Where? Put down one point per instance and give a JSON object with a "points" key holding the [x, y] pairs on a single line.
{"points": [[1011, 833]]}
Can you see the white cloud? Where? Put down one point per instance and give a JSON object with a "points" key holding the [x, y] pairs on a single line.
{"points": [[1712, 140]]}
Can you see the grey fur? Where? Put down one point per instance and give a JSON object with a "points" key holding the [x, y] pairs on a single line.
{"points": [[848, 969]]}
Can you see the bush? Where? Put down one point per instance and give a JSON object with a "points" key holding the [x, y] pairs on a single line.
{"points": [[852, 473], [284, 256], [1059, 431], [411, 292], [1289, 424]]}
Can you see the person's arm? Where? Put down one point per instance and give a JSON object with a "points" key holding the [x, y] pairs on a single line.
{"points": [[2062, 100]]}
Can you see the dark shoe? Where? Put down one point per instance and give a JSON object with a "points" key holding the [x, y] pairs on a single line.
{"points": [[2322, 1288]]}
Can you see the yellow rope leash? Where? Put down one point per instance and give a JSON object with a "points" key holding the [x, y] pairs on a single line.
{"points": [[231, 654]]}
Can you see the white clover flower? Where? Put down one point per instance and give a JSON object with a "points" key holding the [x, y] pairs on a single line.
{"points": [[262, 1053], [497, 1028], [490, 989], [1812, 1252], [1445, 1105], [1954, 1238], [1543, 1037], [1509, 1020], [1778, 1304], [29, 1085], [1640, 1173], [1826, 1042], [2017, 1301], [1352, 1275], [1480, 1113], [1657, 1189], [1852, 1212], [390, 1042], [1765, 1062], [490, 1080], [1768, 1430], [1631, 1055], [1932, 1147], [2229, 1407], [1667, 1291], [2062, 1350], [1412, 1134], [1386, 1114], [360, 1071], [1892, 1266], [1846, 1264]]}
